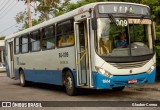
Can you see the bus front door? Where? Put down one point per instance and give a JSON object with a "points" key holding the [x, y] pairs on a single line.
{"points": [[82, 53]]}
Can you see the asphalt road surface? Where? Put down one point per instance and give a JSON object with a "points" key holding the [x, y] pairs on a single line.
{"points": [[10, 90]]}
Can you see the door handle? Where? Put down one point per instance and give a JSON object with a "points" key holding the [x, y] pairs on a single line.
{"points": [[78, 62]]}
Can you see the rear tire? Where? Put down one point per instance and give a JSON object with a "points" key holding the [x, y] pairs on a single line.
{"points": [[118, 88], [23, 82], [70, 84]]}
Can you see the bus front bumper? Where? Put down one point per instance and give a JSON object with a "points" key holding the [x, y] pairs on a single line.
{"points": [[103, 82]]}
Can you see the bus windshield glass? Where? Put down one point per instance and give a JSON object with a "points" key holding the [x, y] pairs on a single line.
{"points": [[124, 37]]}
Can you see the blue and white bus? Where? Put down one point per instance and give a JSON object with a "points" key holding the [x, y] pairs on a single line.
{"points": [[99, 46]]}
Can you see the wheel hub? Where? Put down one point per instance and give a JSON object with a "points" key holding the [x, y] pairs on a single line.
{"points": [[69, 83], [21, 79]]}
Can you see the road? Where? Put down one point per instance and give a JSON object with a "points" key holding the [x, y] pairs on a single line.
{"points": [[10, 90]]}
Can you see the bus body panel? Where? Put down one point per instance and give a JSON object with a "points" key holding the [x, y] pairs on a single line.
{"points": [[43, 76], [55, 59], [47, 65], [99, 62], [103, 82], [7, 69]]}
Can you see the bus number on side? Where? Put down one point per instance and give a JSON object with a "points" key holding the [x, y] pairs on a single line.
{"points": [[64, 54]]}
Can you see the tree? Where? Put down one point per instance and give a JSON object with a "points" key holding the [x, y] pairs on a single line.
{"points": [[2, 37], [46, 9], [72, 6], [155, 10], [22, 19], [62, 8]]}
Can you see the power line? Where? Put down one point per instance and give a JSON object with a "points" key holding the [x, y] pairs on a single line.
{"points": [[4, 5], [3, 15], [3, 1], [8, 28], [7, 8]]}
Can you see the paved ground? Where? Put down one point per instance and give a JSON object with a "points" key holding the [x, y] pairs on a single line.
{"points": [[10, 90], [2, 74]]}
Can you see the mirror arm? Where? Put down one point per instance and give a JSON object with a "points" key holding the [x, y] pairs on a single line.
{"points": [[94, 20]]}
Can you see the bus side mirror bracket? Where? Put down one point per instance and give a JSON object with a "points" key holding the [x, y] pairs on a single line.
{"points": [[154, 30], [94, 23], [93, 19]]}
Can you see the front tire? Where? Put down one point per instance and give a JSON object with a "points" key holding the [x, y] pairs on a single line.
{"points": [[118, 88], [23, 82], [69, 84]]}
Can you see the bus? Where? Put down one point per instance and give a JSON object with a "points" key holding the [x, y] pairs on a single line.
{"points": [[102, 45]]}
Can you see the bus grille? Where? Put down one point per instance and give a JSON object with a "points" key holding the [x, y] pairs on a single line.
{"points": [[129, 65]]}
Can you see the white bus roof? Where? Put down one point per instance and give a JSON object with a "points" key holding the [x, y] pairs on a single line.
{"points": [[65, 16]]}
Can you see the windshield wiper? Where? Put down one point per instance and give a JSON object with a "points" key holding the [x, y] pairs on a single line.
{"points": [[112, 18], [141, 19]]}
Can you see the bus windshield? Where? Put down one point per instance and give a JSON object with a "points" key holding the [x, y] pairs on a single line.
{"points": [[125, 37]]}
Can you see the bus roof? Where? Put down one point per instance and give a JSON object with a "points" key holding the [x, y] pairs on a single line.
{"points": [[65, 16]]}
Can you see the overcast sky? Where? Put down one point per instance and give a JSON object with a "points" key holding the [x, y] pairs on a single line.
{"points": [[8, 11]]}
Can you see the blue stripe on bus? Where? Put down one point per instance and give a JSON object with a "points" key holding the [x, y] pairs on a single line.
{"points": [[55, 77], [7, 68], [43, 76], [117, 81]]}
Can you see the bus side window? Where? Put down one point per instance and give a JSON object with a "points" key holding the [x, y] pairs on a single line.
{"points": [[48, 38], [65, 33], [25, 41], [17, 45], [35, 41]]}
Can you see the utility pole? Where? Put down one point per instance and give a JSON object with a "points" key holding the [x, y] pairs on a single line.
{"points": [[46, 13], [29, 13]]}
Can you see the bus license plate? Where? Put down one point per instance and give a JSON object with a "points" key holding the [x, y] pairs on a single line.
{"points": [[132, 81]]}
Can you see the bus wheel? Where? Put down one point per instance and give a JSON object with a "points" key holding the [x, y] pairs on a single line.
{"points": [[69, 84], [118, 88], [23, 82]]}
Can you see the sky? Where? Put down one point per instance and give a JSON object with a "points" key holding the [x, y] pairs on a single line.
{"points": [[8, 11]]}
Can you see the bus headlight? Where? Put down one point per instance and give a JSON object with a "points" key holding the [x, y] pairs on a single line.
{"points": [[104, 72], [151, 69]]}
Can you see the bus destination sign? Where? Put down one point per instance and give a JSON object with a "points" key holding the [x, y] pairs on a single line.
{"points": [[124, 9]]}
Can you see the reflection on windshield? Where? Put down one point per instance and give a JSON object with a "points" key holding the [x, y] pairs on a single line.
{"points": [[113, 38]]}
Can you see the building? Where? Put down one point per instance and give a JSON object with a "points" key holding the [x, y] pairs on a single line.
{"points": [[2, 51]]}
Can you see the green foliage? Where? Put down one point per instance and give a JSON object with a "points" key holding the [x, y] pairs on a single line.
{"points": [[22, 18], [2, 37], [34, 22], [46, 8], [61, 8], [80, 3]]}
